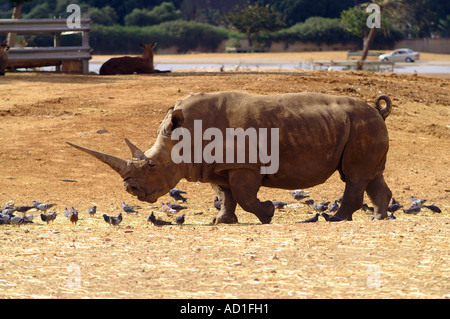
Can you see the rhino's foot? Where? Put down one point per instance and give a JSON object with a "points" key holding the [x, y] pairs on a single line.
{"points": [[222, 218], [266, 213]]}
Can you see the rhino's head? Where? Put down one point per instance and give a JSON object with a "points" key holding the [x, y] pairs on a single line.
{"points": [[151, 174]]}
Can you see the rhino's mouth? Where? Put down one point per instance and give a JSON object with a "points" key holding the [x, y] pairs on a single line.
{"points": [[134, 189]]}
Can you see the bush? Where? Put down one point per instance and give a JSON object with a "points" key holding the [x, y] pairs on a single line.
{"points": [[315, 29], [166, 11], [186, 35]]}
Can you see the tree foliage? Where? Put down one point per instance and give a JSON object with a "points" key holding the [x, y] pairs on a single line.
{"points": [[254, 19]]}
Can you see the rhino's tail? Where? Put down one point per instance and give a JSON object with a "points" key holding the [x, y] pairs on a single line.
{"points": [[384, 111]]}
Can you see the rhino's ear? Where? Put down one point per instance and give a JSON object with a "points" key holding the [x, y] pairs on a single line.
{"points": [[174, 119]]}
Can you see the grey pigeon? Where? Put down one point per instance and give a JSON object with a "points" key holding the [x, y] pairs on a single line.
{"points": [[41, 206], [320, 207], [48, 217], [366, 208], [24, 209], [334, 207], [391, 216], [113, 220], [17, 220], [395, 206], [313, 219], [278, 204], [175, 193], [92, 210], [300, 194], [176, 206], [414, 209], [67, 212], [433, 208], [417, 201], [331, 218], [128, 209], [8, 210], [217, 204], [157, 222], [180, 219], [4, 219]]}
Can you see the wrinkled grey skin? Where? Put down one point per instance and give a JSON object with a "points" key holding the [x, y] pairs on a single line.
{"points": [[318, 134]]}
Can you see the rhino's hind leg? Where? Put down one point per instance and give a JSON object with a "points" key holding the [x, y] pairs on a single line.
{"points": [[228, 206], [352, 200], [244, 184], [380, 194]]}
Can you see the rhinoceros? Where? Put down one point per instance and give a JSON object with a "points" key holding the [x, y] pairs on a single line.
{"points": [[317, 135]]}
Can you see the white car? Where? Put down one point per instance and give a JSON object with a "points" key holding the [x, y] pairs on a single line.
{"points": [[400, 55]]}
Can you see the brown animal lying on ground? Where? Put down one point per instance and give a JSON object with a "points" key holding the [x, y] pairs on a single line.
{"points": [[3, 57], [131, 65], [318, 134]]}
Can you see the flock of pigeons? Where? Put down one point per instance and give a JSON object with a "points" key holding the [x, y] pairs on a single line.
{"points": [[8, 216], [321, 208]]}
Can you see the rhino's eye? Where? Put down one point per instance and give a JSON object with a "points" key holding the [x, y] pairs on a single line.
{"points": [[152, 165]]}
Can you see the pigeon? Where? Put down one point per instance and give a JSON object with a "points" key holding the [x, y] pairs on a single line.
{"points": [[166, 209], [312, 219], [395, 206], [217, 204], [391, 216], [180, 219], [433, 208], [175, 193], [92, 210], [278, 204], [300, 194], [416, 201], [67, 212], [4, 219], [309, 201], [366, 208], [128, 209], [157, 222], [334, 207], [73, 216], [29, 216], [176, 206], [8, 210], [320, 207], [331, 218], [113, 220], [41, 206], [414, 209], [24, 209], [17, 220], [48, 217]]}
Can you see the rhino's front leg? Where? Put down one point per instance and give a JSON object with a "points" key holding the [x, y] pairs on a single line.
{"points": [[244, 184], [227, 206]]}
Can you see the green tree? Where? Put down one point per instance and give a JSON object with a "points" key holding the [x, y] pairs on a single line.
{"points": [[355, 20], [166, 11], [106, 15], [253, 19]]}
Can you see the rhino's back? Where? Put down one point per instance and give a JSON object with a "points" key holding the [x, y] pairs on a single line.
{"points": [[313, 128]]}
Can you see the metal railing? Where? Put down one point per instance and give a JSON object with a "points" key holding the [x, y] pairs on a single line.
{"points": [[44, 56]]}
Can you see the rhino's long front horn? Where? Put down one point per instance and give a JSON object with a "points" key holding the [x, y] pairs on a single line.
{"points": [[117, 164]]}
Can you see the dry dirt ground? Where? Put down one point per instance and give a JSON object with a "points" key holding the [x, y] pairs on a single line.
{"points": [[404, 258]]}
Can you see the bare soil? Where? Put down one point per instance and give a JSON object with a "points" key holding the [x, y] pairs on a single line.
{"points": [[404, 258]]}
